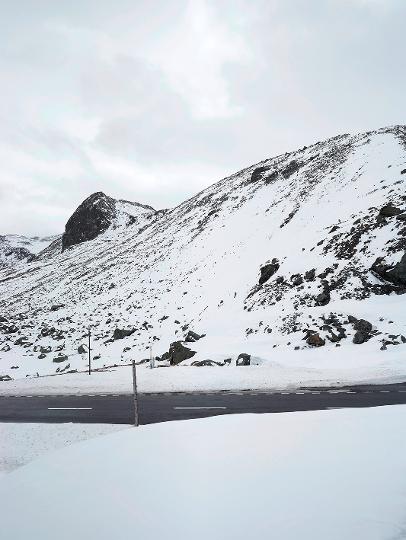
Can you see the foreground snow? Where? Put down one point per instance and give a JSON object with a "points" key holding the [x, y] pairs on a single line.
{"points": [[21, 443], [310, 475]]}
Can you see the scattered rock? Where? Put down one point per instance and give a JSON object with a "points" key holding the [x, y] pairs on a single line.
{"points": [[389, 210], [4, 378], [60, 358], [82, 349], [120, 333], [314, 340], [57, 306], [268, 270], [178, 353], [191, 336], [243, 359], [310, 275]]}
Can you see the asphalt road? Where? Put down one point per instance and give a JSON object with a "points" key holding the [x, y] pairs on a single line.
{"points": [[118, 408]]}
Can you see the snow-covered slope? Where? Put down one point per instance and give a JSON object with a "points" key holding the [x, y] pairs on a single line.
{"points": [[284, 250], [15, 248]]}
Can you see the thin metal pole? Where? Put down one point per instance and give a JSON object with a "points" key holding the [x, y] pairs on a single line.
{"points": [[136, 419], [90, 366]]}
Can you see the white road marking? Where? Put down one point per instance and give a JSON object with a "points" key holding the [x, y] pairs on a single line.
{"points": [[70, 408], [285, 393], [315, 392], [297, 393], [200, 407], [384, 391]]}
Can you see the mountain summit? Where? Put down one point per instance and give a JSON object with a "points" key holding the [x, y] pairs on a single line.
{"points": [[300, 252]]}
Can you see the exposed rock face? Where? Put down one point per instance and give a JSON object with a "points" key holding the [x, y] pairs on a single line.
{"points": [[91, 218], [244, 359], [314, 340], [120, 333], [395, 274], [389, 210], [191, 336], [398, 272], [268, 270], [178, 353]]}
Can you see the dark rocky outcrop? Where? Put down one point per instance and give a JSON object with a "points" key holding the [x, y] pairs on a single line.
{"points": [[91, 218], [243, 359], [268, 270], [257, 174], [60, 358], [389, 210], [191, 336], [314, 340], [57, 306], [178, 353], [82, 349], [395, 274], [291, 168], [120, 333], [363, 329], [205, 363]]}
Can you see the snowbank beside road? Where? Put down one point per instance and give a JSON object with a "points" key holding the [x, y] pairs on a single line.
{"points": [[312, 475], [287, 370]]}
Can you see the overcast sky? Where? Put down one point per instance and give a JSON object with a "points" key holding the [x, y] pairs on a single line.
{"points": [[153, 100]]}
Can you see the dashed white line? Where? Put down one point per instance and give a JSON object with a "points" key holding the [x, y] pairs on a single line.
{"points": [[184, 408], [70, 408]]}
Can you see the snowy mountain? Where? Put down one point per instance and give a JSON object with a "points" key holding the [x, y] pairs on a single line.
{"points": [[303, 251], [15, 248]]}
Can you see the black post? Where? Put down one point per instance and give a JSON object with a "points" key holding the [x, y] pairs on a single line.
{"points": [[90, 366]]}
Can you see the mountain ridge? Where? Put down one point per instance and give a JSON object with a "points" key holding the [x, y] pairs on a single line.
{"points": [[278, 255]]}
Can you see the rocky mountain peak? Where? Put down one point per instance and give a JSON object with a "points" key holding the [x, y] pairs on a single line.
{"points": [[91, 218]]}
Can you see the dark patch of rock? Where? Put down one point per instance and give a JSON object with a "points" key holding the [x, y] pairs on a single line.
{"points": [[268, 270], [191, 336], [178, 353], [120, 333], [389, 210], [91, 218], [244, 359]]}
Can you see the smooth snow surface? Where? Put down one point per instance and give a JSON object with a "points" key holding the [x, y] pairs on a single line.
{"points": [[21, 443], [312, 475]]}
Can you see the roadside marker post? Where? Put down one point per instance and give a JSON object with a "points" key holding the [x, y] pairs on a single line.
{"points": [[90, 365], [136, 418]]}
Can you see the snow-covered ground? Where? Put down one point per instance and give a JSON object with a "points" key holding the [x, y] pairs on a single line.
{"points": [[286, 369], [337, 474], [21, 443]]}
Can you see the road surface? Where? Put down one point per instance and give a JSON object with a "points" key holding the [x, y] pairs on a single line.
{"points": [[118, 408]]}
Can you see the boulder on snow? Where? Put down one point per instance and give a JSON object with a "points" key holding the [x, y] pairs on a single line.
{"points": [[243, 359], [120, 333], [4, 378], [363, 330], [395, 274], [191, 336], [178, 353], [82, 349], [205, 363], [60, 358], [57, 306], [268, 270], [389, 210], [258, 174], [314, 340]]}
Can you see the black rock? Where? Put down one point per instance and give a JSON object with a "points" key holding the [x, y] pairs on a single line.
{"points": [[178, 353], [296, 280], [258, 174], [310, 274], [4, 378], [243, 359], [57, 306], [291, 168], [191, 336], [314, 340], [268, 270], [323, 298], [398, 273], [82, 349], [120, 333], [60, 358], [91, 218], [389, 210]]}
